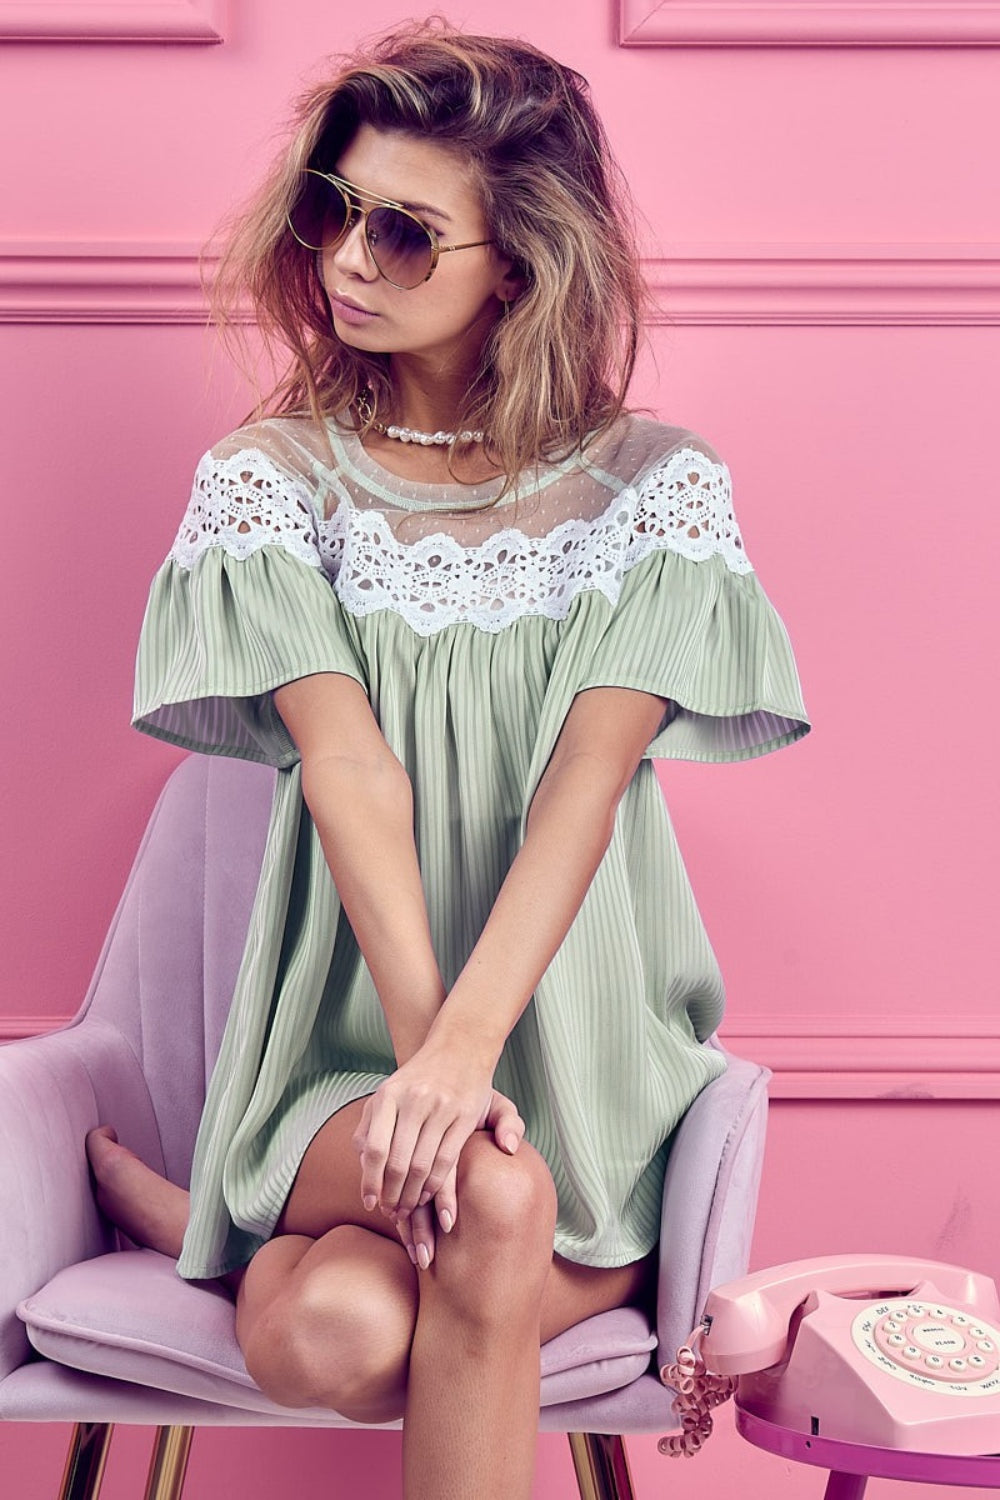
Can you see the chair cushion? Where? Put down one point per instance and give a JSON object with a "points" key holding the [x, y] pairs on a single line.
{"points": [[129, 1315], [42, 1391]]}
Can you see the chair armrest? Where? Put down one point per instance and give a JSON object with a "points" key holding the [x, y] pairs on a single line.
{"points": [[710, 1198], [53, 1089]]}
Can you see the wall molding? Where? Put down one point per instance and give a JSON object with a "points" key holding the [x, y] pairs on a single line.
{"points": [[818, 1057], [112, 21], [806, 23], [837, 1057], [100, 283], [882, 285]]}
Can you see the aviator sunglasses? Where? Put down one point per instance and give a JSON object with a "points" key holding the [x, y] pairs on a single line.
{"points": [[403, 249]]}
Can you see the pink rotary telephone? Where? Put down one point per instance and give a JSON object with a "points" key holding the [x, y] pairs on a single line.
{"points": [[884, 1350]]}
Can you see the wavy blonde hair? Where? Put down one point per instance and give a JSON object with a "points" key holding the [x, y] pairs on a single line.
{"points": [[556, 370]]}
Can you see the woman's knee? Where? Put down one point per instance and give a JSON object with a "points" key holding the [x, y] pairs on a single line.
{"points": [[505, 1223], [337, 1333]]}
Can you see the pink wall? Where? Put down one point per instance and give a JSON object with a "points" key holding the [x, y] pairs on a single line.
{"points": [[827, 267]]}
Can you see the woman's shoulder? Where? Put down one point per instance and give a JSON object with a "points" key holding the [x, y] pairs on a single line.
{"points": [[289, 445], [681, 489], [637, 447], [257, 485]]}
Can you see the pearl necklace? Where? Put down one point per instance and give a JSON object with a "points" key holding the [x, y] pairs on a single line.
{"points": [[412, 434], [428, 439]]}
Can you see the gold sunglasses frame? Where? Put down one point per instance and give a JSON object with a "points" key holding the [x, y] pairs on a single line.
{"points": [[352, 196]]}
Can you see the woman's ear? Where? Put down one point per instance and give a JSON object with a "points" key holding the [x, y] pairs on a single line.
{"points": [[514, 283]]}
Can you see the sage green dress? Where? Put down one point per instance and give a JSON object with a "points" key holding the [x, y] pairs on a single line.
{"points": [[471, 630]]}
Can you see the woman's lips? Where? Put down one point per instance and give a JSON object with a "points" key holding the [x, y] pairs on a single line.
{"points": [[349, 312]]}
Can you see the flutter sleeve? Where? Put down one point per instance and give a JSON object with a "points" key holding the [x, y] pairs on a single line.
{"points": [[693, 625], [241, 605]]}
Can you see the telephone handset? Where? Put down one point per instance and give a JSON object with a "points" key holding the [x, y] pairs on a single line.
{"points": [[886, 1350]]}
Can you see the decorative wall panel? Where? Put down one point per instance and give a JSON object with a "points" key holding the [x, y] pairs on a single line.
{"points": [[112, 21], [871, 23]]}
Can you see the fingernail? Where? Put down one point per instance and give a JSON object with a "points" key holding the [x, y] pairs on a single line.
{"points": [[370, 1201], [411, 1253], [423, 1257], [446, 1220], [511, 1142], [424, 1199]]}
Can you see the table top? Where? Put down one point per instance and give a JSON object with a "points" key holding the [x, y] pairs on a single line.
{"points": [[861, 1458]]}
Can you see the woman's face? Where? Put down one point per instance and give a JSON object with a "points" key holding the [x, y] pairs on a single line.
{"points": [[447, 317]]}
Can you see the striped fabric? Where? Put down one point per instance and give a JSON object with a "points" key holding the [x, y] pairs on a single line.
{"points": [[607, 1056]]}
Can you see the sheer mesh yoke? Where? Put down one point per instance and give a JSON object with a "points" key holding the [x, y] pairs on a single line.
{"points": [[283, 481], [471, 627]]}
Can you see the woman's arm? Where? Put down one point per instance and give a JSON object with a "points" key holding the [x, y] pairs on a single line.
{"points": [[360, 798], [414, 1127], [361, 801]]}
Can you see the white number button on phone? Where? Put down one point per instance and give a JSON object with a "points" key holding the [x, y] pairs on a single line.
{"points": [[939, 1341]]}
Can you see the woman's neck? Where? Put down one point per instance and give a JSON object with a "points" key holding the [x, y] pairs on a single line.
{"points": [[427, 397]]}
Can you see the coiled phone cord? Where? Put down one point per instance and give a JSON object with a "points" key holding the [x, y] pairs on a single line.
{"points": [[698, 1392]]}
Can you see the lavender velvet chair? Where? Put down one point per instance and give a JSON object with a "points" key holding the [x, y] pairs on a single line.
{"points": [[94, 1334]]}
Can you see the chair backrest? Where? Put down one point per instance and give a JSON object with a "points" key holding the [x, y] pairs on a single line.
{"points": [[169, 965]]}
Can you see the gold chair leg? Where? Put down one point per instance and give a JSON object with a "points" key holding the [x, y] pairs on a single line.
{"points": [[601, 1465], [168, 1465], [88, 1453]]}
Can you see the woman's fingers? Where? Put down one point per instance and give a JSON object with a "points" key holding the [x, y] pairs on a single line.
{"points": [[434, 1157], [446, 1201], [404, 1228], [409, 1139], [422, 1230], [412, 1152], [505, 1122], [373, 1140], [403, 1160], [445, 1162]]}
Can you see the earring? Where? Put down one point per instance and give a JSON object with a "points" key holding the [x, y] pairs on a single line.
{"points": [[506, 309]]}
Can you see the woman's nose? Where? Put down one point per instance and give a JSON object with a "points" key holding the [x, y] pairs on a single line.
{"points": [[351, 254]]}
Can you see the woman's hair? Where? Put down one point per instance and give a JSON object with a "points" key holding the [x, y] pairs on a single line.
{"points": [[558, 366]]}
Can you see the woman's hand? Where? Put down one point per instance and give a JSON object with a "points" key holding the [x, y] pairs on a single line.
{"points": [[410, 1110]]}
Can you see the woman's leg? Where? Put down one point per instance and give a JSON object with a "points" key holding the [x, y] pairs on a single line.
{"points": [[332, 1313], [328, 1322], [473, 1391], [465, 1334], [327, 1308]]}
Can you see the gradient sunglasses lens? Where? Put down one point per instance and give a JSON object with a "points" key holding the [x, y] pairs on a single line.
{"points": [[399, 244], [321, 214]]}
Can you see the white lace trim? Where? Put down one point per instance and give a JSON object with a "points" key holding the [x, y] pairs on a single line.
{"points": [[243, 503], [686, 504], [246, 502], [683, 506]]}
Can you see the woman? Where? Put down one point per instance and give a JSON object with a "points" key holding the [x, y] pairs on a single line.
{"points": [[460, 597]]}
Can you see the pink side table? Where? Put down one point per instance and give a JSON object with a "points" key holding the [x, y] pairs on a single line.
{"points": [[852, 1464]]}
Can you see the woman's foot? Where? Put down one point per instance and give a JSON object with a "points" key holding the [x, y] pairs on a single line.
{"points": [[149, 1209]]}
